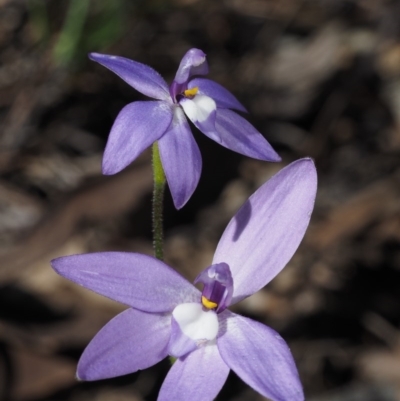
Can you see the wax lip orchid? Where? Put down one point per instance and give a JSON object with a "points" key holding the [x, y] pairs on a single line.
{"points": [[206, 103], [169, 316]]}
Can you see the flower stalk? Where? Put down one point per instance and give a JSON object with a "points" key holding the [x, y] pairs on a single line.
{"points": [[158, 198]]}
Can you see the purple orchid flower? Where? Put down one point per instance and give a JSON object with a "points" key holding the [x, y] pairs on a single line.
{"points": [[169, 316], [206, 103]]}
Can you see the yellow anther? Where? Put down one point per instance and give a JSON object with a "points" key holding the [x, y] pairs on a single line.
{"points": [[208, 304], [190, 93]]}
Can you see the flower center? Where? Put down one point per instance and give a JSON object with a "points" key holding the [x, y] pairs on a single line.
{"points": [[207, 303], [191, 327], [218, 287], [191, 93]]}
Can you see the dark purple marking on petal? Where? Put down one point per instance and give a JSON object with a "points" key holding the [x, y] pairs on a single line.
{"points": [[245, 216], [218, 285], [175, 90]]}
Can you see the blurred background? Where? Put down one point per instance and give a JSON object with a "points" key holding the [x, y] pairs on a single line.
{"points": [[320, 78]]}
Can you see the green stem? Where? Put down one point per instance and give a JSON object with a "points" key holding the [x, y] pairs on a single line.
{"points": [[158, 198]]}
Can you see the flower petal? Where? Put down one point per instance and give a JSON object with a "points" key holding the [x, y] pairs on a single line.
{"points": [[133, 340], [201, 110], [192, 327], [192, 63], [239, 135], [223, 98], [264, 234], [197, 377], [260, 357], [179, 344], [136, 127], [181, 159], [140, 76], [140, 281]]}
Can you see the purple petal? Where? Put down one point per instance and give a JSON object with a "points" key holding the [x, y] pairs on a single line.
{"points": [[222, 96], [132, 341], [197, 377], [136, 127], [264, 234], [181, 159], [260, 357], [239, 135], [140, 76], [179, 344], [140, 281]]}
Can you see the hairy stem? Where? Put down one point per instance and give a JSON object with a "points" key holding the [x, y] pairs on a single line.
{"points": [[158, 198]]}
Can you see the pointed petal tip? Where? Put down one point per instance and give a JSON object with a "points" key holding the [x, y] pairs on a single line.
{"points": [[304, 159], [93, 55], [97, 57], [109, 166], [58, 264], [62, 265], [53, 262], [275, 158], [306, 163], [179, 203], [180, 199], [238, 135], [270, 155], [106, 169], [81, 374], [78, 378], [85, 374]]}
